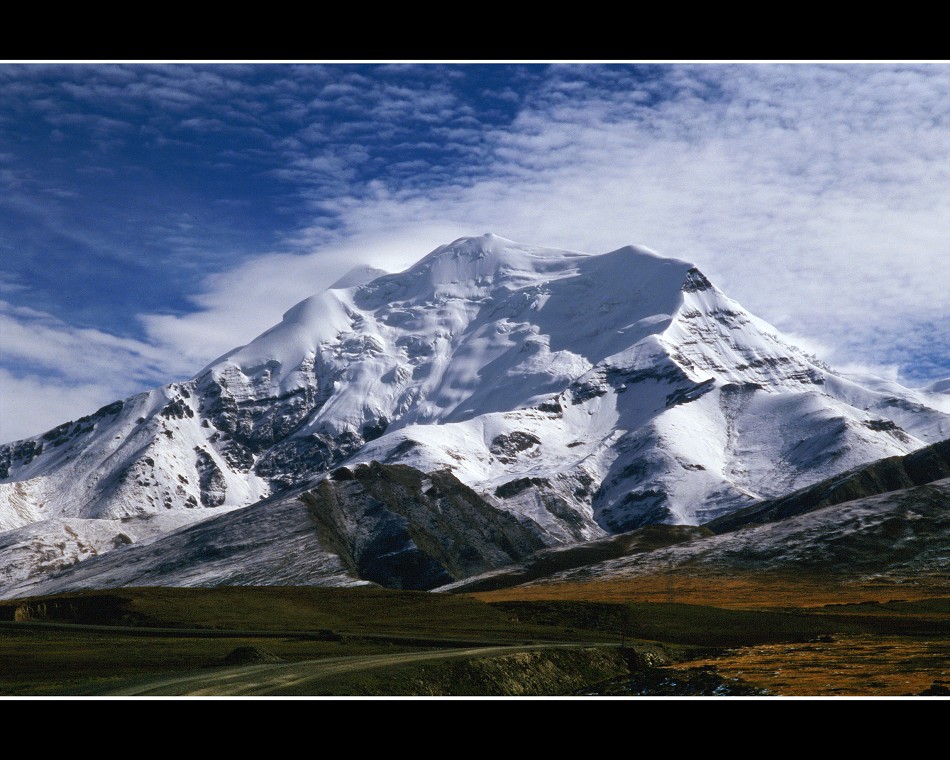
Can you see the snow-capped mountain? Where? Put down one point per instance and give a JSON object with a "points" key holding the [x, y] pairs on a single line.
{"points": [[582, 394]]}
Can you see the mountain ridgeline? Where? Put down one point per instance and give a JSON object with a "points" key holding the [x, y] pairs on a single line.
{"points": [[891, 474]]}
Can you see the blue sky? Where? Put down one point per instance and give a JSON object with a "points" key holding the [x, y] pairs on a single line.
{"points": [[154, 216]]}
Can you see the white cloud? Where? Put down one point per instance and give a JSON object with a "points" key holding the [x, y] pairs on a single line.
{"points": [[62, 372], [82, 355], [55, 372], [886, 371], [31, 404]]}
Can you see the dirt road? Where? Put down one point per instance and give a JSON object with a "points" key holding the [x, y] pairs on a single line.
{"points": [[298, 678]]}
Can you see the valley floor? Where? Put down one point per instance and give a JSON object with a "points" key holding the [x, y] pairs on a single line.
{"points": [[710, 639]]}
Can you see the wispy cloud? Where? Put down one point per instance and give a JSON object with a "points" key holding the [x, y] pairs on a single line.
{"points": [[817, 196], [51, 371], [39, 340], [31, 403]]}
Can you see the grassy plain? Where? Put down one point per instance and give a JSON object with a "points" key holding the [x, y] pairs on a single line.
{"points": [[810, 638]]}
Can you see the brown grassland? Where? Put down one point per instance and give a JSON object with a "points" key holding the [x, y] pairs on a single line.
{"points": [[846, 665], [881, 638], [748, 591]]}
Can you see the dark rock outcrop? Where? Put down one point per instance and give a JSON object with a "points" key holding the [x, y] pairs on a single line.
{"points": [[556, 560], [401, 528]]}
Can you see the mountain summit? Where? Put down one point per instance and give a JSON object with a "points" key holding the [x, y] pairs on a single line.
{"points": [[580, 394]]}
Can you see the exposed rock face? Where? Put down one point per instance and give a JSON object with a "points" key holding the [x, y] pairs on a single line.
{"points": [[211, 480], [559, 559], [507, 446], [401, 528], [900, 536]]}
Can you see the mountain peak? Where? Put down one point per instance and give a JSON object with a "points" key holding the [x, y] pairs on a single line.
{"points": [[472, 266], [489, 259], [489, 241], [696, 281]]}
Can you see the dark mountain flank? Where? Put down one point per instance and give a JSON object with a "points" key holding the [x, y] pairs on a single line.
{"points": [[891, 474]]}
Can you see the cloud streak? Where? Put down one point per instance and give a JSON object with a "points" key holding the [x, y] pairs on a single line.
{"points": [[51, 371], [50, 346]]}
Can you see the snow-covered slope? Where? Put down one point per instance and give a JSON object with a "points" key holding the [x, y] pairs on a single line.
{"points": [[386, 524], [586, 394], [272, 543], [49, 547], [882, 476]]}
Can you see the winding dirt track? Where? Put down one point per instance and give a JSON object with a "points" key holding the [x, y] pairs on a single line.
{"points": [[298, 678]]}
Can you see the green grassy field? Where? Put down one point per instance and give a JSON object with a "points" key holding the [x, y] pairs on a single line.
{"points": [[85, 642], [57, 662], [365, 611]]}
